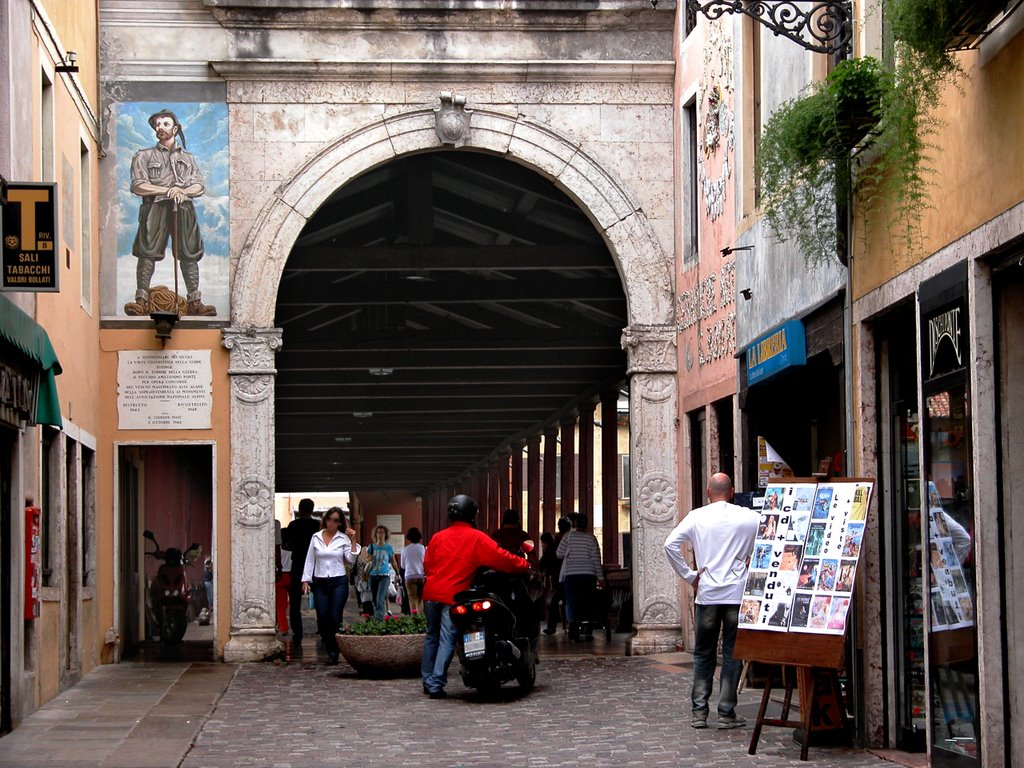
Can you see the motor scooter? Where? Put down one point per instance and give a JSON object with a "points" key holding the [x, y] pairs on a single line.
{"points": [[169, 592], [497, 628]]}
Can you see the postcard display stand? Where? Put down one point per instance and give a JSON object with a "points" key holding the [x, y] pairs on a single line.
{"points": [[797, 596]]}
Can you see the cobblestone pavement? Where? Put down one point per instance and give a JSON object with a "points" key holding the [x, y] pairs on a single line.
{"points": [[608, 711], [592, 707]]}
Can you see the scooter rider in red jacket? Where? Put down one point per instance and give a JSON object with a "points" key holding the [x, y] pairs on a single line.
{"points": [[452, 559]]}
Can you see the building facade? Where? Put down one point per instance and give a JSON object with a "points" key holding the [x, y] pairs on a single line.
{"points": [[905, 358], [286, 105], [50, 627]]}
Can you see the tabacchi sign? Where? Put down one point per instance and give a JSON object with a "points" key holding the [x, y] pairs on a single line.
{"points": [[30, 238]]}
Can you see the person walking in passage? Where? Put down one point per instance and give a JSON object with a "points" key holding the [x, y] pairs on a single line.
{"points": [[511, 535], [412, 569], [552, 569], [722, 536], [300, 531], [384, 561], [326, 573], [581, 573], [452, 558]]}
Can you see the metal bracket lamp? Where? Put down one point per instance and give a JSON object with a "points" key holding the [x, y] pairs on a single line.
{"points": [[68, 63], [826, 26], [164, 322]]}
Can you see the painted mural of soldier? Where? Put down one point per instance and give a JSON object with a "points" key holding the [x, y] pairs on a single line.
{"points": [[167, 178]]}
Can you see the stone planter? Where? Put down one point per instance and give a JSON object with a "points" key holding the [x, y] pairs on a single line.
{"points": [[383, 655]]}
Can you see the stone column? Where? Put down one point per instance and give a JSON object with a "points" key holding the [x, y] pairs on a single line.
{"points": [[252, 493], [516, 490], [504, 486], [533, 522], [567, 461], [651, 366], [550, 476], [610, 475], [586, 465]]}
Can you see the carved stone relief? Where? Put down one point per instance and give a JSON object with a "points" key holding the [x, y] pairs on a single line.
{"points": [[716, 336], [650, 349], [253, 502], [452, 120], [658, 503], [718, 142]]}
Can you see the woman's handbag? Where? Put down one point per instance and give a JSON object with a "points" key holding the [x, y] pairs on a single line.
{"points": [[364, 562]]}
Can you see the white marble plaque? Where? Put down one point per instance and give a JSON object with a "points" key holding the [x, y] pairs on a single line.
{"points": [[158, 389]]}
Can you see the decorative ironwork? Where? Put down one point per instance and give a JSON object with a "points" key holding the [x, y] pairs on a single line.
{"points": [[824, 27]]}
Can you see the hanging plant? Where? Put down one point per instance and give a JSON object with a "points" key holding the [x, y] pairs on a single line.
{"points": [[933, 28], [864, 132], [802, 161]]}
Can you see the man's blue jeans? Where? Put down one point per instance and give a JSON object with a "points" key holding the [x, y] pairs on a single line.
{"points": [[379, 589], [438, 646], [712, 620]]}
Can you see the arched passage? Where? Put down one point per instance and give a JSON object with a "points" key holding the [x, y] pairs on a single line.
{"points": [[649, 339]]}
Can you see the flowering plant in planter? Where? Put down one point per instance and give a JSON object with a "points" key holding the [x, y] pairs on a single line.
{"points": [[413, 624], [388, 647]]}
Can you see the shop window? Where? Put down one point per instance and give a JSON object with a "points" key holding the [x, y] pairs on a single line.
{"points": [[46, 139], [698, 457], [47, 516], [624, 477], [85, 217], [752, 109], [691, 248], [88, 537]]}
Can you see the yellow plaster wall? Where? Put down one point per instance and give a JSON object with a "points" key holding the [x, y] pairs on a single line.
{"points": [[978, 163], [72, 327], [112, 341], [76, 23]]}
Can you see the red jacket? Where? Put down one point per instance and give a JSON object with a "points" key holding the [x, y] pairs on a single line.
{"points": [[453, 556]]}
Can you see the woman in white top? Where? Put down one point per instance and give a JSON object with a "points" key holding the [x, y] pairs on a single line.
{"points": [[326, 572], [412, 569]]}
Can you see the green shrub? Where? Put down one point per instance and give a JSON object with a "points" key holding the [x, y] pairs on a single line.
{"points": [[413, 624]]}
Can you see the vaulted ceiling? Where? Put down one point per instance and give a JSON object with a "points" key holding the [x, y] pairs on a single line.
{"points": [[434, 310]]}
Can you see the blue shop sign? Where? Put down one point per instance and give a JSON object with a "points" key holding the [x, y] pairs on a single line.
{"points": [[776, 351]]}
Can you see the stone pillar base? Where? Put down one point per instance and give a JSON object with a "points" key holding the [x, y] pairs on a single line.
{"points": [[654, 638], [251, 645]]}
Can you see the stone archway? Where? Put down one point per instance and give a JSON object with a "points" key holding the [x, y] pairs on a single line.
{"points": [[649, 338]]}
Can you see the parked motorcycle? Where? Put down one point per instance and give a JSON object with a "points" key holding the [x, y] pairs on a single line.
{"points": [[169, 593], [497, 627]]}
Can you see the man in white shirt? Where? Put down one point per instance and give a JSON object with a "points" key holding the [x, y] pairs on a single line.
{"points": [[722, 537]]}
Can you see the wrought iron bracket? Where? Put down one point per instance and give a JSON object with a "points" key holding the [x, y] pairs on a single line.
{"points": [[823, 26]]}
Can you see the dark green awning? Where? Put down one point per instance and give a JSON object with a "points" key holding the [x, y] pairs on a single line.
{"points": [[28, 336]]}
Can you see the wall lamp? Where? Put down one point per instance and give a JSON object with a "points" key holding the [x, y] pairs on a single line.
{"points": [[68, 63], [727, 251], [747, 294], [164, 322]]}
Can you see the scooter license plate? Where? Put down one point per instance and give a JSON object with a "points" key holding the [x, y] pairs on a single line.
{"points": [[474, 644]]}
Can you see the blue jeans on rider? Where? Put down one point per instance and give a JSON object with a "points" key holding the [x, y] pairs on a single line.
{"points": [[710, 621], [379, 589], [329, 596], [438, 646]]}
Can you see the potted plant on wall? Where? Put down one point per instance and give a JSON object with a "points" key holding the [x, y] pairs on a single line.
{"points": [[863, 133], [802, 161], [388, 647]]}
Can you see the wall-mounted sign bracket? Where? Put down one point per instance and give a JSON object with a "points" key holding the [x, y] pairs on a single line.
{"points": [[823, 26]]}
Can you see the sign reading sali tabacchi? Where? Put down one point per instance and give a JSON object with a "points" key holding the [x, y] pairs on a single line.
{"points": [[30, 238]]}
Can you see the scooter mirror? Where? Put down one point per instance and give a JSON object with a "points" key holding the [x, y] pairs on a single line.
{"points": [[149, 535], [194, 551]]}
